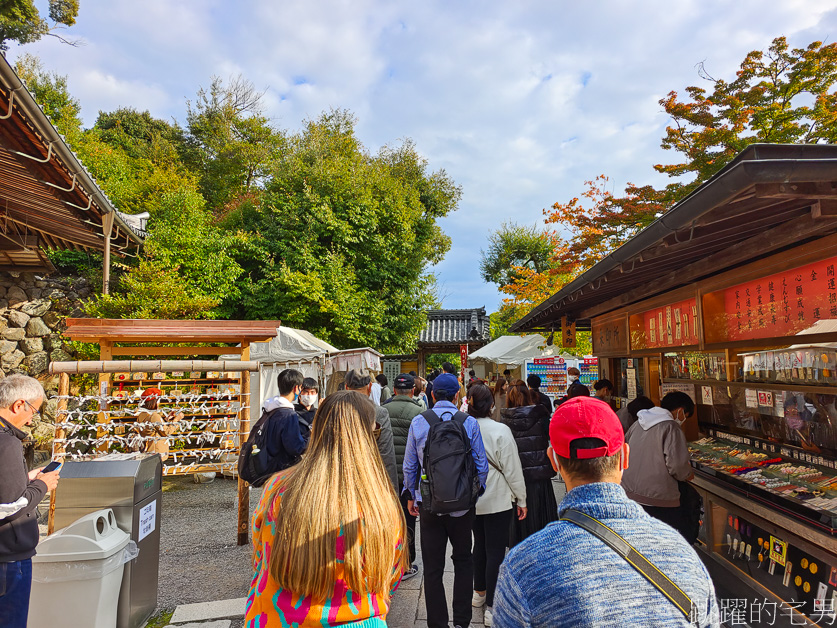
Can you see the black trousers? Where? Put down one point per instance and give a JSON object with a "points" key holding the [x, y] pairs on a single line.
{"points": [[411, 525], [671, 516], [491, 536], [436, 531]]}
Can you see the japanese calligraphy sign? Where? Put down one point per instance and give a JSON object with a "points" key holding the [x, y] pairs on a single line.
{"points": [[782, 304], [610, 337], [673, 325]]}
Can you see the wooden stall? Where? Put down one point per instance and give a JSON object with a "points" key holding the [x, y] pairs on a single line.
{"points": [[731, 297], [211, 398]]}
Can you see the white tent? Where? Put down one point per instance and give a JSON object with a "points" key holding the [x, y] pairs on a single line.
{"points": [[291, 348], [514, 350]]}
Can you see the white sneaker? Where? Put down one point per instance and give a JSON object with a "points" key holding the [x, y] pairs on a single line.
{"points": [[489, 617], [478, 600]]}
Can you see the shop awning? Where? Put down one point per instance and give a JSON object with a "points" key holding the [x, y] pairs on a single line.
{"points": [[769, 198], [290, 345], [513, 350]]}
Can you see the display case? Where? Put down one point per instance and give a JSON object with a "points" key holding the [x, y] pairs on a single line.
{"points": [[695, 366], [589, 368], [553, 374]]}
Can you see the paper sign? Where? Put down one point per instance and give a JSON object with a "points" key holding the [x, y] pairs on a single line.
{"points": [[752, 398], [689, 389], [765, 398], [779, 404], [147, 520], [822, 590], [706, 395], [631, 383]]}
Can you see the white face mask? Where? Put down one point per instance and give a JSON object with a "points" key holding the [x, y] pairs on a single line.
{"points": [[682, 420], [308, 400], [572, 378]]}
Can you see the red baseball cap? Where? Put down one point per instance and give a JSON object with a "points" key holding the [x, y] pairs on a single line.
{"points": [[585, 417]]}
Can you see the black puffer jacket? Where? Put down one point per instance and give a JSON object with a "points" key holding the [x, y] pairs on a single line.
{"points": [[401, 409], [529, 427]]}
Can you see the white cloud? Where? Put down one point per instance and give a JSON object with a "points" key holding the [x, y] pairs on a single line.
{"points": [[520, 102]]}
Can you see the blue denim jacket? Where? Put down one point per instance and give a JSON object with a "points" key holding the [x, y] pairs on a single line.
{"points": [[565, 576]]}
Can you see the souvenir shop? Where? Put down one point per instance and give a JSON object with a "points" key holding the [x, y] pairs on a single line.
{"points": [[731, 297]]}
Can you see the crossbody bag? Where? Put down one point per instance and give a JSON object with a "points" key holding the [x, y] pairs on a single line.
{"points": [[644, 566]]}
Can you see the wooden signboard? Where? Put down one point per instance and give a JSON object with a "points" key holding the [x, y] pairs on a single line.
{"points": [[567, 333], [610, 337]]}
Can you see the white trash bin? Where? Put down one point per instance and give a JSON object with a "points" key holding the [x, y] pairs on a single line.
{"points": [[77, 572]]}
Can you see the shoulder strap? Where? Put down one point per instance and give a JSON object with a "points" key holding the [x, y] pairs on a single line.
{"points": [[431, 417], [635, 559]]}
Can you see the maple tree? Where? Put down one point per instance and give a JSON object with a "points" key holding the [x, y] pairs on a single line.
{"points": [[780, 95]]}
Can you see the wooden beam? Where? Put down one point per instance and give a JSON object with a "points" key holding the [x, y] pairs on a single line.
{"points": [[770, 240], [18, 243], [154, 351], [824, 208], [813, 189]]}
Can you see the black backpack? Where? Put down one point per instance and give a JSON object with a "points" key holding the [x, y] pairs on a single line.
{"points": [[254, 464], [450, 482]]}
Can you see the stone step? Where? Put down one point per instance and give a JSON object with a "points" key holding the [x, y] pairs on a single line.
{"points": [[206, 611]]}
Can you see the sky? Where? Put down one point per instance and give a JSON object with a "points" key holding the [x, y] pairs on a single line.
{"points": [[519, 102]]}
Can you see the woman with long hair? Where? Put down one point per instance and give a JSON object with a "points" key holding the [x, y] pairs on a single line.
{"points": [[328, 534], [529, 423], [505, 496], [501, 387]]}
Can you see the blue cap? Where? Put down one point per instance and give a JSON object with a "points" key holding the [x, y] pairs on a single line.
{"points": [[446, 382]]}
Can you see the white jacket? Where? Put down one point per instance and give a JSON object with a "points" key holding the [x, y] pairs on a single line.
{"points": [[501, 489]]}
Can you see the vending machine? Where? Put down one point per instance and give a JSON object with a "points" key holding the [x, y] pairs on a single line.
{"points": [[589, 368], [553, 374]]}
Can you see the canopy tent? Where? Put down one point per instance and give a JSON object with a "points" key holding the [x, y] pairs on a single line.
{"points": [[514, 350], [290, 348]]}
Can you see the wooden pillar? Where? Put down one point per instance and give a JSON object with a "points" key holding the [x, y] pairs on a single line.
{"points": [[107, 227], [243, 433], [421, 366], [58, 450]]}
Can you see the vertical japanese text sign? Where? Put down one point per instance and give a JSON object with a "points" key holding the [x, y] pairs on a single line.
{"points": [[567, 333]]}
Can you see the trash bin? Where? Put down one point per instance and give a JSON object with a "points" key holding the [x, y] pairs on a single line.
{"points": [[77, 572], [131, 485]]}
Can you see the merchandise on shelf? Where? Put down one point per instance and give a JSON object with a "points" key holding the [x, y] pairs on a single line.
{"points": [[553, 374], [589, 368]]}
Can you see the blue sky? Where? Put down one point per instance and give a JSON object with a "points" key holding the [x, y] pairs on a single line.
{"points": [[520, 102]]}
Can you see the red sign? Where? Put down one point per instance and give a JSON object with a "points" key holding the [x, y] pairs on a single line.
{"points": [[782, 304], [463, 355], [674, 325], [546, 361]]}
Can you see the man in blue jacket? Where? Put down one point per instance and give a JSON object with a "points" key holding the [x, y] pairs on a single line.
{"points": [[566, 576], [285, 443], [437, 530]]}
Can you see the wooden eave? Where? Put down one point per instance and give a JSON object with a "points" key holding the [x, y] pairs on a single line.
{"points": [[169, 331]]}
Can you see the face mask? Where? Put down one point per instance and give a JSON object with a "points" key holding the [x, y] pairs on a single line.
{"points": [[308, 400], [572, 378], [682, 414]]}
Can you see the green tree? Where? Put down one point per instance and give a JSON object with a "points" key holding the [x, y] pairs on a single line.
{"points": [[50, 91], [516, 246], [229, 143], [341, 241], [21, 21]]}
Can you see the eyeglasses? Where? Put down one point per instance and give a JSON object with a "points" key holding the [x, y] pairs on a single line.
{"points": [[35, 411]]}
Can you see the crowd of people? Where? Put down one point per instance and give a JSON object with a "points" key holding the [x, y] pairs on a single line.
{"points": [[472, 465], [353, 473]]}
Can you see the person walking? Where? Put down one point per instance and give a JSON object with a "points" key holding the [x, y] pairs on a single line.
{"points": [[569, 574], [386, 391], [534, 383], [504, 498], [285, 442], [20, 493], [359, 380], [306, 406], [328, 534], [661, 462], [438, 529], [403, 408], [529, 423]]}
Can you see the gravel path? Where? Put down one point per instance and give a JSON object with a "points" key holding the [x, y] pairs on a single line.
{"points": [[199, 560]]}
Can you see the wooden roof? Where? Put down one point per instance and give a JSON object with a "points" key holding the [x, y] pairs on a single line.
{"points": [[769, 198], [170, 331], [47, 199]]}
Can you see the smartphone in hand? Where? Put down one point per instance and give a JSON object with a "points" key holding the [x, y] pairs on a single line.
{"points": [[52, 466]]}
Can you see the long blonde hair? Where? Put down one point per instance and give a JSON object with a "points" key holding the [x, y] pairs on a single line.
{"points": [[340, 485]]}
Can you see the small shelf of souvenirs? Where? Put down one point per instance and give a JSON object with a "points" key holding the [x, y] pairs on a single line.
{"points": [[695, 366], [800, 483]]}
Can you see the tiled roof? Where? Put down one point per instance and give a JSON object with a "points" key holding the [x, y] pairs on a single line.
{"points": [[455, 326]]}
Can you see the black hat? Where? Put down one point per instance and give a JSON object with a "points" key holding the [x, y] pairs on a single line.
{"points": [[404, 382]]}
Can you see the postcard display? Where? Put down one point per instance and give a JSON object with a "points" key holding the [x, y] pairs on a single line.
{"points": [[766, 458], [200, 420]]}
